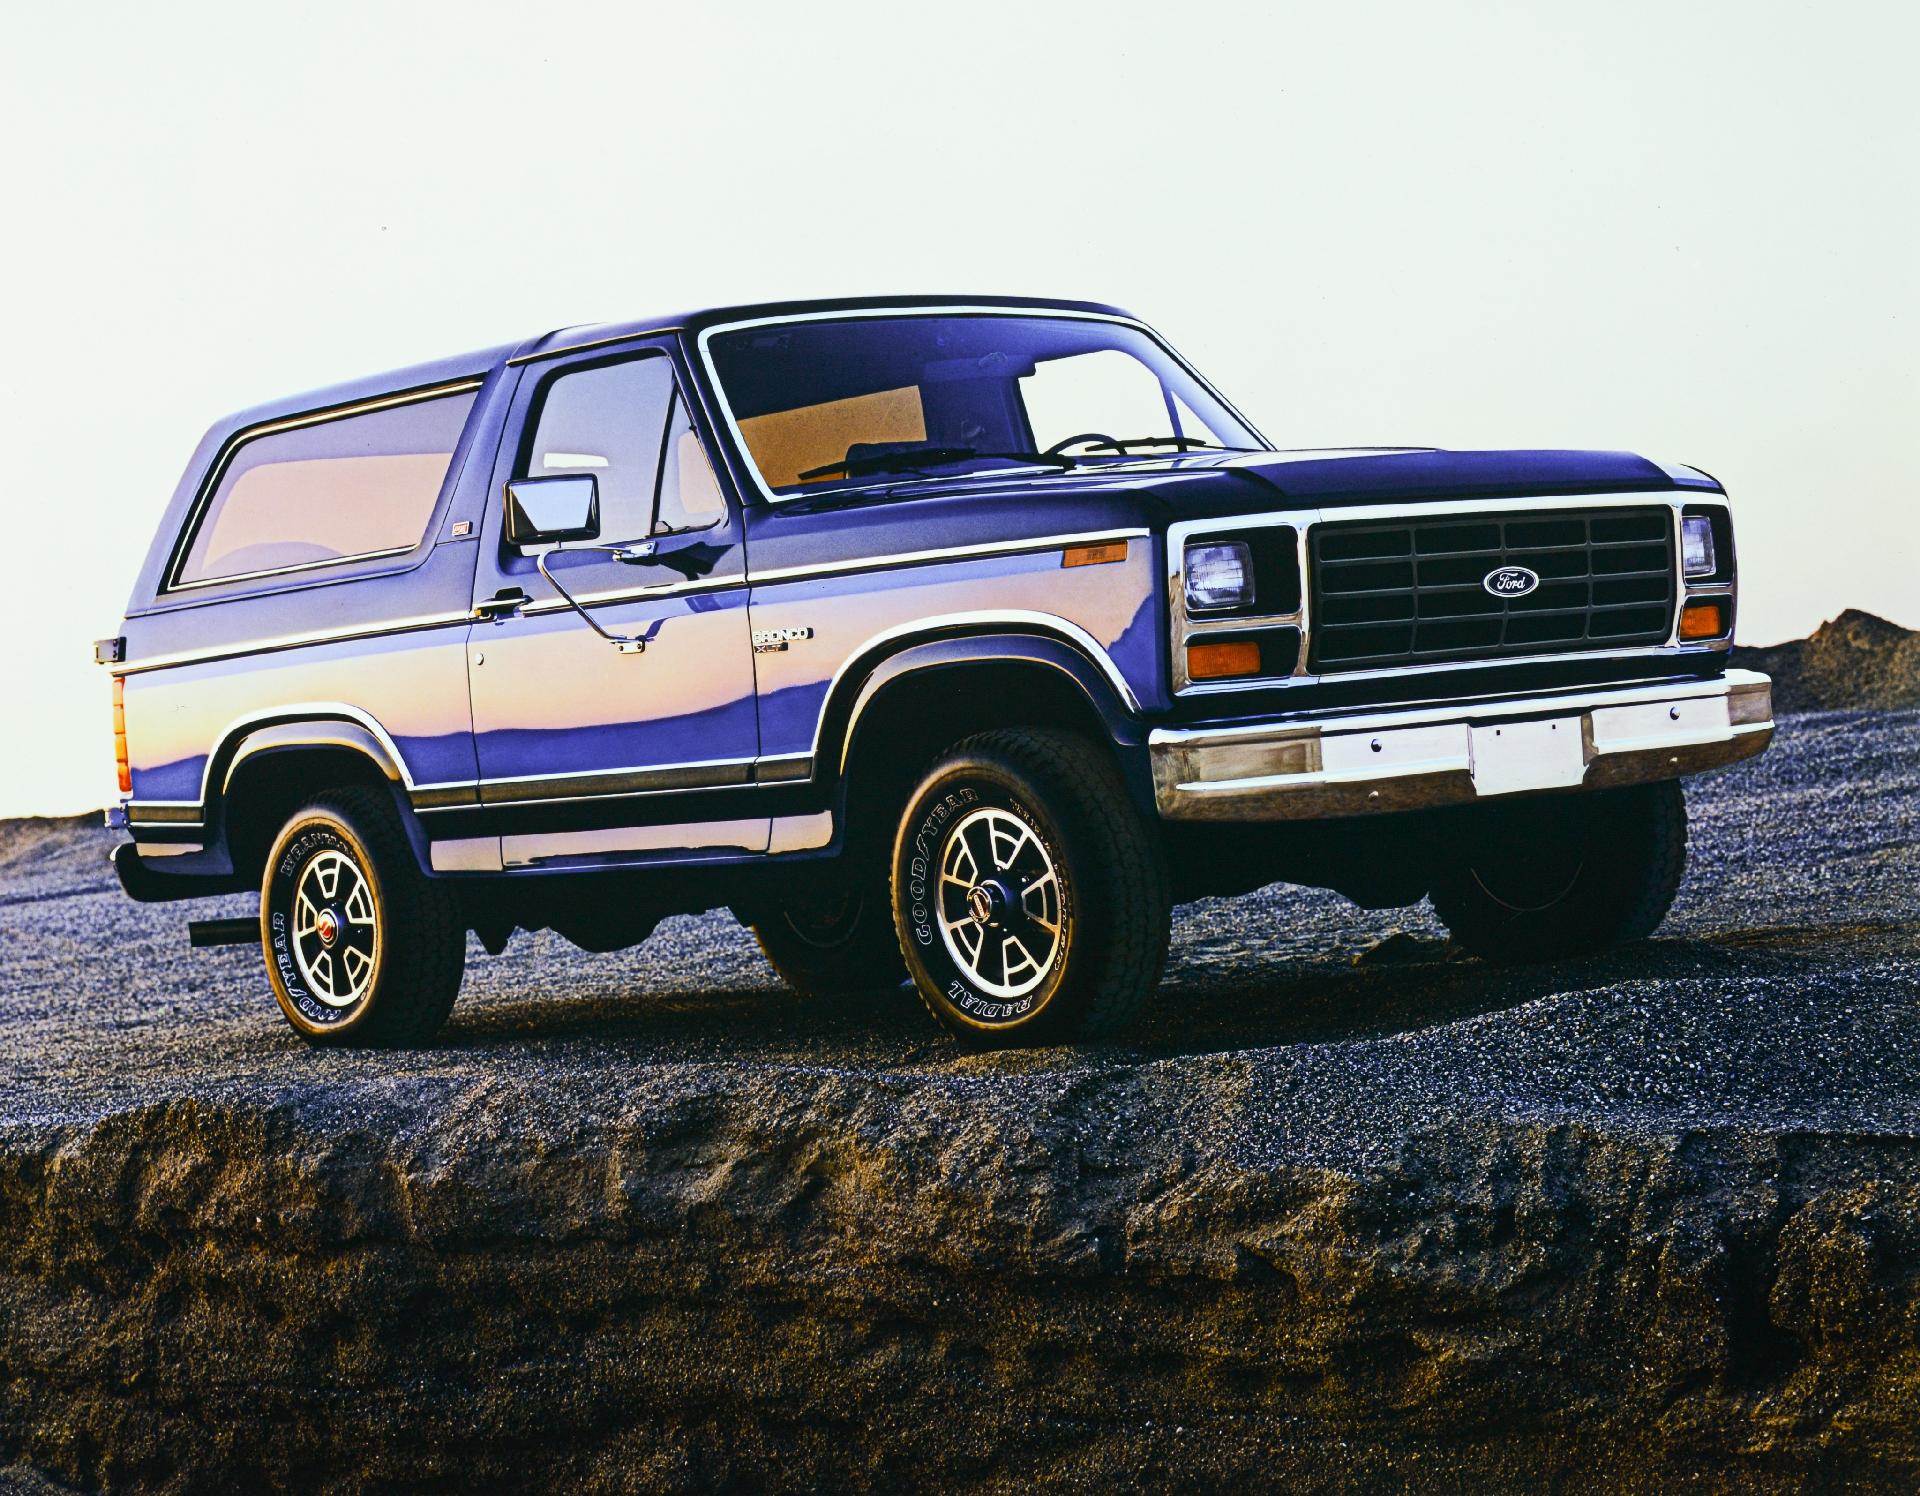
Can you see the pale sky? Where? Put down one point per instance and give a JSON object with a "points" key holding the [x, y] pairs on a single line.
{"points": [[1688, 230]]}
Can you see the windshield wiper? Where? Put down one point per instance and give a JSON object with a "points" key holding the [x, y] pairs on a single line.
{"points": [[1184, 443], [911, 460]]}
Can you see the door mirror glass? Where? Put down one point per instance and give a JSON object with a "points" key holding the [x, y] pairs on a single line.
{"points": [[548, 511]]}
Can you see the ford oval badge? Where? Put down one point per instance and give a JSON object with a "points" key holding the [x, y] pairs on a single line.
{"points": [[1510, 581]]}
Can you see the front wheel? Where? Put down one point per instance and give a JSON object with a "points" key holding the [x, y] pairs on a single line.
{"points": [[1564, 875], [1030, 896], [361, 946]]}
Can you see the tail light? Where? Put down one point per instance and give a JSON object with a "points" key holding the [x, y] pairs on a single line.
{"points": [[120, 759]]}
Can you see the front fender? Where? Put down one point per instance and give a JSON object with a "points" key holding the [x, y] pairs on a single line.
{"points": [[842, 718]]}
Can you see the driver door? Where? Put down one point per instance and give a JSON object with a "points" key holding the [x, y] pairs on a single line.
{"points": [[588, 751]]}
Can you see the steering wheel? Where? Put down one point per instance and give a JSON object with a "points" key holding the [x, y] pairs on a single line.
{"points": [[1085, 436]]}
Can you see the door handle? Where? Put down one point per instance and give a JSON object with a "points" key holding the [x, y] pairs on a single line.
{"points": [[502, 605]]}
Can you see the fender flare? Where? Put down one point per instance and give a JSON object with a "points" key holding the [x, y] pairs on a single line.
{"points": [[842, 715], [253, 741], [316, 732], [249, 742]]}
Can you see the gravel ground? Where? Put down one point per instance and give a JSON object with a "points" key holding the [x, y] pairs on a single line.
{"points": [[1779, 995], [643, 1221]]}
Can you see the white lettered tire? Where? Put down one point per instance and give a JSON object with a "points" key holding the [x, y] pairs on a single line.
{"points": [[361, 946], [1030, 896]]}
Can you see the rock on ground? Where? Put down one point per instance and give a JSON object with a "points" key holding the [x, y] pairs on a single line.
{"points": [[1648, 1221], [1855, 660]]}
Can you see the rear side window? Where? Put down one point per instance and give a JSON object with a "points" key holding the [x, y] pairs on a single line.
{"points": [[328, 490]]}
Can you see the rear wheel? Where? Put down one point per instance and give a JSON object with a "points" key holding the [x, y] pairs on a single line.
{"points": [[1030, 897], [361, 946], [1564, 875]]}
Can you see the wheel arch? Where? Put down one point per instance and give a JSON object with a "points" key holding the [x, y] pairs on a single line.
{"points": [[924, 694], [265, 771]]}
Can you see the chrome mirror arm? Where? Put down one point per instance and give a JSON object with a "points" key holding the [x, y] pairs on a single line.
{"points": [[624, 644]]}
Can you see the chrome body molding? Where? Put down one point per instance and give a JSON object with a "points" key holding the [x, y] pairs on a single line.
{"points": [[316, 714], [610, 596], [465, 854], [1187, 628], [946, 553], [302, 724], [275, 643], [1365, 761], [801, 833], [631, 845], [537, 849], [325, 733]]}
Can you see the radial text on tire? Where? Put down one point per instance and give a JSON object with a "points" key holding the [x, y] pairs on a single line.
{"points": [[1029, 893], [361, 946]]}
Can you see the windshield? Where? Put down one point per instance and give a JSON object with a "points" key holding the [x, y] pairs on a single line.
{"points": [[884, 399]]}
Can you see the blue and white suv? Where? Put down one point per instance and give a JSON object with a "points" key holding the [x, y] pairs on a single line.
{"points": [[944, 639]]}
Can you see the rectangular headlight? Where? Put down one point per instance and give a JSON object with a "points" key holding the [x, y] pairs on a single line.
{"points": [[1219, 576], [1696, 546]]}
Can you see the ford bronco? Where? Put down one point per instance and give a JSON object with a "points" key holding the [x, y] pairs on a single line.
{"points": [[943, 639]]}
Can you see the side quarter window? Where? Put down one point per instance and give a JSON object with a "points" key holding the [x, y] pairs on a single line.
{"points": [[689, 493], [331, 488]]}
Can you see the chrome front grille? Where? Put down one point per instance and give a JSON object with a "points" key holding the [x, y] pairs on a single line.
{"points": [[1411, 591]]}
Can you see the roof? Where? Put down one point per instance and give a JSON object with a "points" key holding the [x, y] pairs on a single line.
{"points": [[480, 362], [609, 332]]}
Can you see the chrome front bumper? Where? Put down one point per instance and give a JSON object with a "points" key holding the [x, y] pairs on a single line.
{"points": [[1408, 758]]}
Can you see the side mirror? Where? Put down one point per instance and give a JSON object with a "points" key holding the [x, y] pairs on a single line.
{"points": [[547, 511]]}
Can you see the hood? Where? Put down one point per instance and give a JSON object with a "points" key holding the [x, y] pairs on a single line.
{"points": [[1156, 491], [1249, 482], [1330, 479], [1349, 477]]}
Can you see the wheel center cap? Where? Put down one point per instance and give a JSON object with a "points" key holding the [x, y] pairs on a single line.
{"points": [[327, 927], [986, 902]]}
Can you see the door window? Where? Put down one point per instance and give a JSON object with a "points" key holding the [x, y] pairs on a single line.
{"points": [[626, 424]]}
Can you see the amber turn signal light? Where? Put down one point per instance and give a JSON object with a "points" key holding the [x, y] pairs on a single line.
{"points": [[1223, 658], [1704, 619], [1094, 555]]}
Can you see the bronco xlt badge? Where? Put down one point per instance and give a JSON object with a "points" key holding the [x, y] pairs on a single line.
{"points": [[765, 641]]}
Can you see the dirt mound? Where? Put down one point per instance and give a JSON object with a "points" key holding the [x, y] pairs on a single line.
{"points": [[802, 1285], [1854, 662], [1648, 1221]]}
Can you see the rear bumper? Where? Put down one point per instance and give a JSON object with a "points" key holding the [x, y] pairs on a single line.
{"points": [[145, 886], [1361, 762]]}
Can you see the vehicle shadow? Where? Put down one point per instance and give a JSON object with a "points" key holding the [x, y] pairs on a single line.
{"points": [[1320, 999], [1334, 1000], [761, 1023]]}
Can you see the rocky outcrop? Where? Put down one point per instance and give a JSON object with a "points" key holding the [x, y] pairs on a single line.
{"points": [[819, 1282], [1856, 661], [1645, 1222]]}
